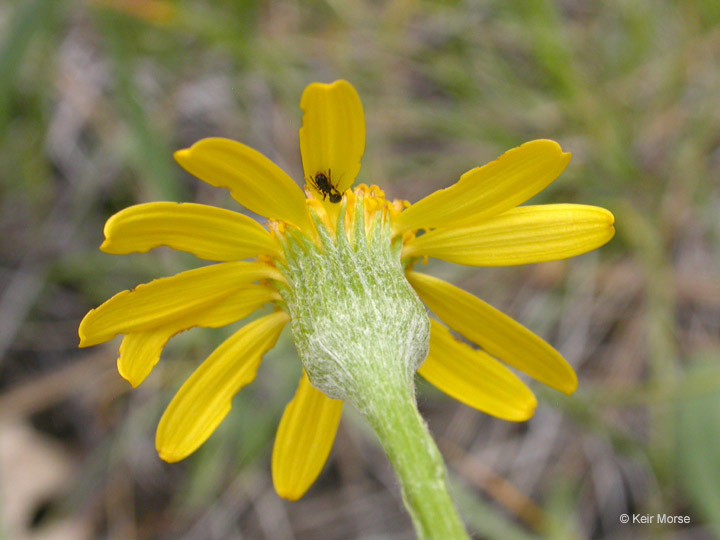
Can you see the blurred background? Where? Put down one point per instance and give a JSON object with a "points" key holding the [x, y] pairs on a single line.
{"points": [[95, 96]]}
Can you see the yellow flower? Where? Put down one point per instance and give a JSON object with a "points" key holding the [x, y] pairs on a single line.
{"points": [[477, 221]]}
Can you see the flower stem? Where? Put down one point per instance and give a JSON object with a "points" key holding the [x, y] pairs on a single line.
{"points": [[362, 332], [417, 463]]}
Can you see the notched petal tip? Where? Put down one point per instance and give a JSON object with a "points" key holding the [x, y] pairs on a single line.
{"points": [[134, 383], [169, 457], [524, 411], [200, 146], [549, 144], [339, 87], [610, 217], [185, 156], [182, 154], [85, 339], [547, 148], [290, 494], [568, 385]]}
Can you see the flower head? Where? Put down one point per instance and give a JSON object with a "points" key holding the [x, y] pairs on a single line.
{"points": [[338, 265]]}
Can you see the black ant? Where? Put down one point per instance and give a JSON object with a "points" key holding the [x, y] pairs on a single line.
{"points": [[325, 186]]}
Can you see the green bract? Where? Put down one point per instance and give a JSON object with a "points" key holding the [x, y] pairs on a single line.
{"points": [[356, 321]]}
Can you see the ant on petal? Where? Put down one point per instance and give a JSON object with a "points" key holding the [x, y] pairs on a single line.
{"points": [[325, 186]]}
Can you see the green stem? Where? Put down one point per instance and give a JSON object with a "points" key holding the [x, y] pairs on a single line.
{"points": [[361, 332], [417, 463]]}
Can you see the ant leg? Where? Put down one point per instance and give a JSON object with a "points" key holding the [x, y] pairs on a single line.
{"points": [[313, 183]]}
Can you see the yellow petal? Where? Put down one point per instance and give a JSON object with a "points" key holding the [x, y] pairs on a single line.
{"points": [[140, 351], [206, 397], [253, 180], [166, 300], [332, 137], [524, 235], [491, 189], [495, 332], [304, 440], [475, 378], [232, 308], [210, 233]]}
